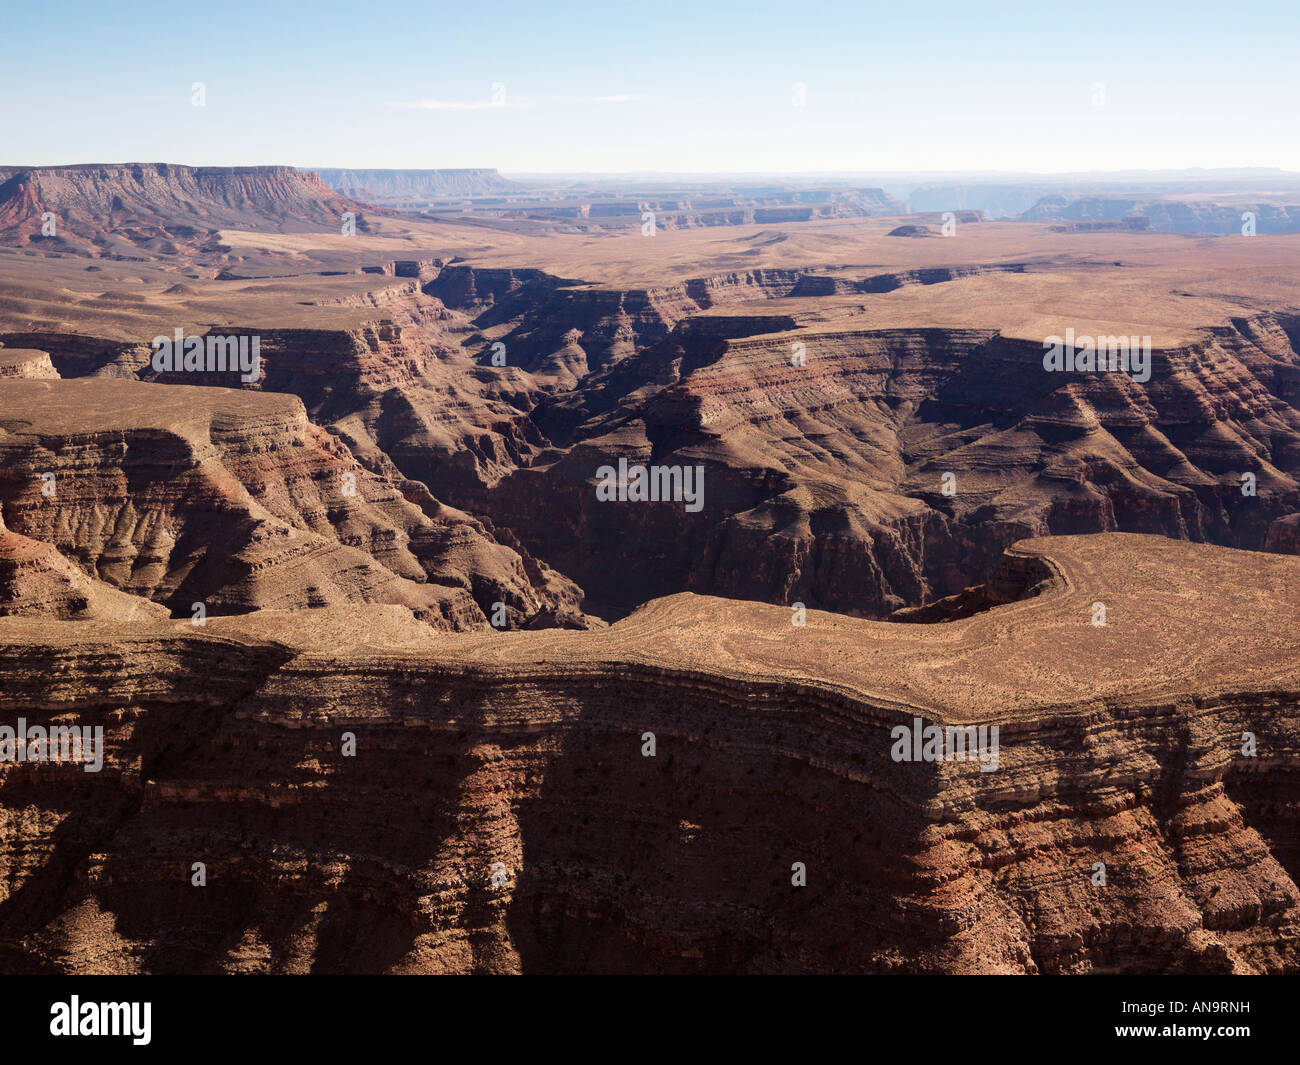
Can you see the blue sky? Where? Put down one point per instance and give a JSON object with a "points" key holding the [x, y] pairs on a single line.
{"points": [[663, 86]]}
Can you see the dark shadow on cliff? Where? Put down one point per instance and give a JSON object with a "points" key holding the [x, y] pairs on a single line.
{"points": [[682, 862]]}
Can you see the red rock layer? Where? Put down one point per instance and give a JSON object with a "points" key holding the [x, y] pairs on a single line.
{"points": [[163, 206], [234, 499], [536, 836]]}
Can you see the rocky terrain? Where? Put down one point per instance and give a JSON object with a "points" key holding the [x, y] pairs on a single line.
{"points": [[1180, 201], [872, 437], [301, 598], [537, 834], [234, 500], [1172, 214], [611, 205], [168, 209]]}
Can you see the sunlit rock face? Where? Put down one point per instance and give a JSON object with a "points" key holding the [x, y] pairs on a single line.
{"points": [[744, 589], [702, 787]]}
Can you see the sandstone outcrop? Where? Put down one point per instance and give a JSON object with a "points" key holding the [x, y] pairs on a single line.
{"points": [[894, 466], [1170, 214], [26, 362], [163, 207], [889, 469], [239, 577], [537, 836], [37, 581], [233, 499]]}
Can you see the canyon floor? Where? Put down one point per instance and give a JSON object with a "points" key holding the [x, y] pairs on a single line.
{"points": [[387, 683]]}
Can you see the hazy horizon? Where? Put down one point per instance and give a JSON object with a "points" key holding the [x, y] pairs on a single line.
{"points": [[1008, 176]]}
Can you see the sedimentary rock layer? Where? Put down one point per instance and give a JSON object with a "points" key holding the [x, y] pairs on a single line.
{"points": [[234, 500], [162, 206], [537, 833], [848, 465], [864, 469]]}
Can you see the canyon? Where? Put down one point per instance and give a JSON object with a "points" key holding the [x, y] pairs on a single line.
{"points": [[380, 576], [539, 836]]}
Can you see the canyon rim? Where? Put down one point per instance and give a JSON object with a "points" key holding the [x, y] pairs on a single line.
{"points": [[557, 507]]}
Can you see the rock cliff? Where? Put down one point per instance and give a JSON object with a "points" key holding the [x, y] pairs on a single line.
{"points": [[233, 499], [163, 207], [537, 835]]}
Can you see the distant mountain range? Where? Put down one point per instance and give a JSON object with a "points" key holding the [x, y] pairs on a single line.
{"points": [[379, 185]]}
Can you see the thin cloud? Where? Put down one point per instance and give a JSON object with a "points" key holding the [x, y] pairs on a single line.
{"points": [[621, 98], [485, 105], [456, 105]]}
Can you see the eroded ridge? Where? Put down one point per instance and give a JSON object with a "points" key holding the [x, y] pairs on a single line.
{"points": [[232, 500], [635, 798]]}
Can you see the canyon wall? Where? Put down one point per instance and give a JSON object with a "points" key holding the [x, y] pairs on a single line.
{"points": [[163, 207], [847, 465], [538, 835], [234, 500]]}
